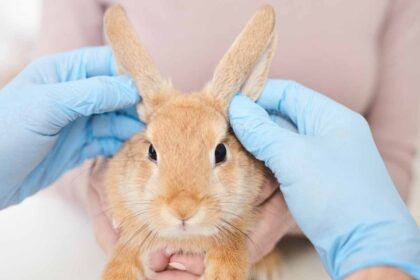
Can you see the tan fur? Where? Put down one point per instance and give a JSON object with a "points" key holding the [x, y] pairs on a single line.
{"points": [[129, 52], [246, 65], [268, 267], [150, 199]]}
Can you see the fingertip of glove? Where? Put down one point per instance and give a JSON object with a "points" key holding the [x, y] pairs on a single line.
{"points": [[101, 147], [127, 84], [237, 104], [242, 106], [99, 61]]}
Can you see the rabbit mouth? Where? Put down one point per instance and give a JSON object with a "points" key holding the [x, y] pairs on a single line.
{"points": [[186, 230], [188, 225]]}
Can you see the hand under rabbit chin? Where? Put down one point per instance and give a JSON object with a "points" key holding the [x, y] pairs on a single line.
{"points": [[275, 222]]}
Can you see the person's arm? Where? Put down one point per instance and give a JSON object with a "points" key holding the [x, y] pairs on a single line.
{"points": [[70, 24], [394, 112]]}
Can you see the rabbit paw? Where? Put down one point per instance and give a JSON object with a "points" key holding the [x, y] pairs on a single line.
{"points": [[222, 274], [226, 264], [124, 266]]}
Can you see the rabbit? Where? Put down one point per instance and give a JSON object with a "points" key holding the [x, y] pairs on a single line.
{"points": [[186, 184]]}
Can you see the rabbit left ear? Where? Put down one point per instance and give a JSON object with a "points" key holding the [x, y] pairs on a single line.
{"points": [[134, 59], [245, 66]]}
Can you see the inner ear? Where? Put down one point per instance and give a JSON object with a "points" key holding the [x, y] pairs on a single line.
{"points": [[256, 80], [245, 66]]}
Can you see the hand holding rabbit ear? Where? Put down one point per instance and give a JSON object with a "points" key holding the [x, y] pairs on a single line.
{"points": [[58, 112], [333, 179]]}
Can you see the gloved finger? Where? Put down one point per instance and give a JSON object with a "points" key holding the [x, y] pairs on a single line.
{"points": [[71, 100], [114, 125], [101, 147], [258, 133], [86, 62], [282, 121], [193, 263], [130, 112], [174, 275], [158, 261], [295, 101]]}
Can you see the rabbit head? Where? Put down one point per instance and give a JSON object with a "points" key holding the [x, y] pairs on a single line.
{"points": [[187, 174]]}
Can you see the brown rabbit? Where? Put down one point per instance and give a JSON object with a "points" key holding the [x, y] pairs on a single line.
{"points": [[186, 184]]}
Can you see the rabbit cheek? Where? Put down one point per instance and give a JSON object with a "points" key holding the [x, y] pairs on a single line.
{"points": [[132, 186], [238, 183]]}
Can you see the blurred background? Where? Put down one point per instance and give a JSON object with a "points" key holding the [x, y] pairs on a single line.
{"points": [[45, 238], [19, 23]]}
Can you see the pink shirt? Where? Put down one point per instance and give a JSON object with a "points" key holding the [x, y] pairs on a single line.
{"points": [[362, 53]]}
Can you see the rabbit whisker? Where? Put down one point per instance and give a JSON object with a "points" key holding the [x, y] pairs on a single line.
{"points": [[238, 230], [135, 234]]}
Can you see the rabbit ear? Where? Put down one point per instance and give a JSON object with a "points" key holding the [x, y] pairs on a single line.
{"points": [[134, 59], [245, 66]]}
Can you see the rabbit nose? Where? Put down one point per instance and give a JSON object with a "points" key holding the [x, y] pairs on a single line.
{"points": [[184, 206]]}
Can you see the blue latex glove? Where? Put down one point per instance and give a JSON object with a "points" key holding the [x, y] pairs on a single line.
{"points": [[332, 177], [53, 118]]}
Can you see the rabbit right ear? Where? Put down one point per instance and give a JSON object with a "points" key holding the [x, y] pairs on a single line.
{"points": [[134, 59], [245, 66]]}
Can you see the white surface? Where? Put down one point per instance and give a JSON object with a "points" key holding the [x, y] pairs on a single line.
{"points": [[43, 238]]}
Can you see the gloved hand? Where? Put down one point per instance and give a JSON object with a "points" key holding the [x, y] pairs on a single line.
{"points": [[60, 111], [332, 177]]}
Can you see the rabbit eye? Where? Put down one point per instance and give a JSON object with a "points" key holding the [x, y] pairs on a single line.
{"points": [[152, 153], [220, 153]]}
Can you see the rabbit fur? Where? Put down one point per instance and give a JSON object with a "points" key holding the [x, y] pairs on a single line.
{"points": [[183, 201]]}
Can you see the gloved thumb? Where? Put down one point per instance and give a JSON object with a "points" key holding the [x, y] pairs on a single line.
{"points": [[259, 134], [90, 96]]}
